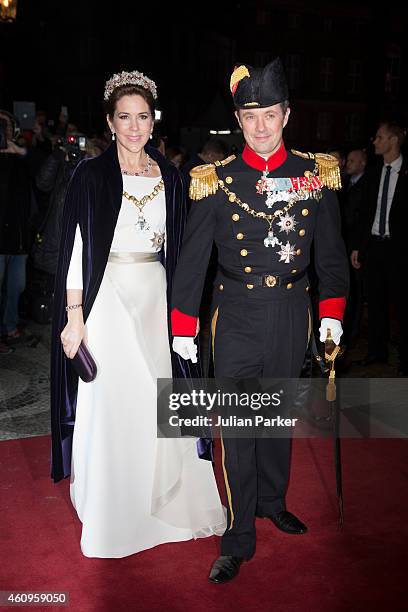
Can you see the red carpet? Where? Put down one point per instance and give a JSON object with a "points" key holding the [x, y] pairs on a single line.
{"points": [[362, 568]]}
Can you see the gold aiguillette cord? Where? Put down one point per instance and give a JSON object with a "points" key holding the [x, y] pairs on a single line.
{"points": [[331, 350]]}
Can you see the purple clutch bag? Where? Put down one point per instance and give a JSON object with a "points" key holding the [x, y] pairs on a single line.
{"points": [[84, 364]]}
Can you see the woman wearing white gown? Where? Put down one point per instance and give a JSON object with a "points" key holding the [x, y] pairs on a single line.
{"points": [[131, 490]]}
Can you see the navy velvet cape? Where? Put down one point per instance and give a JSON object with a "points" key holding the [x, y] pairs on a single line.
{"points": [[93, 201]]}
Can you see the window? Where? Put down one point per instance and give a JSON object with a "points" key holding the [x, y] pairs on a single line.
{"points": [[293, 70], [393, 71], [327, 25], [327, 74], [294, 21], [263, 17], [358, 28], [354, 76], [352, 127], [324, 126]]}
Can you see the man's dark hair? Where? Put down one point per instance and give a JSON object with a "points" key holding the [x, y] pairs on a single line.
{"points": [[284, 106], [213, 145], [335, 149], [395, 129]]}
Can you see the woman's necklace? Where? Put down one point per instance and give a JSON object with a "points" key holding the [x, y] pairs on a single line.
{"points": [[145, 171], [142, 225]]}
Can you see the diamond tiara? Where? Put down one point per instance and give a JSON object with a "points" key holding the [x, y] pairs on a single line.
{"points": [[129, 78]]}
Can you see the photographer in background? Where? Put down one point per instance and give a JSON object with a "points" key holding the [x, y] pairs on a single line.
{"points": [[53, 178], [61, 126], [14, 227], [38, 152]]}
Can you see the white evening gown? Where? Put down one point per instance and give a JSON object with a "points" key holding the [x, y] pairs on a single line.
{"points": [[131, 490]]}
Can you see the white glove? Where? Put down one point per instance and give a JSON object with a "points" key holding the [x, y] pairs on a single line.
{"points": [[185, 347], [335, 327]]}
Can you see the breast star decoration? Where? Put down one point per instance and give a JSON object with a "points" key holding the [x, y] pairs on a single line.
{"points": [[287, 223], [158, 239]]}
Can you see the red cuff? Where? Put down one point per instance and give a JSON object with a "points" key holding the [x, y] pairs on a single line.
{"points": [[182, 324], [332, 307]]}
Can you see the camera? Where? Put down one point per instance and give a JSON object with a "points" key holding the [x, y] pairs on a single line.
{"points": [[74, 146], [78, 142]]}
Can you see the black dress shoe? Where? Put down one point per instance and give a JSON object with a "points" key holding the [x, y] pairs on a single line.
{"points": [[225, 568], [287, 522]]}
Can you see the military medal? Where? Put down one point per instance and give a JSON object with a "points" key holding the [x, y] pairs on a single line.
{"points": [[281, 189], [302, 188], [276, 189]]}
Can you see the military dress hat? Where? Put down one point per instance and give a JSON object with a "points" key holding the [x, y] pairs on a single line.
{"points": [[259, 87]]}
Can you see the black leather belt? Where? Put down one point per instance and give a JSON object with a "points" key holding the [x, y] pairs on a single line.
{"points": [[263, 280]]}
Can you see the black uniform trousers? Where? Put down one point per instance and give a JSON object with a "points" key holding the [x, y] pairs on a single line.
{"points": [[265, 337]]}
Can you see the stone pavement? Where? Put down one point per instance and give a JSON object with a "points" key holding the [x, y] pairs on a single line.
{"points": [[24, 385]]}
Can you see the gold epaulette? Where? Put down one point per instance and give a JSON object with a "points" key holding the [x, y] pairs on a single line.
{"points": [[329, 170], [204, 179], [327, 167]]}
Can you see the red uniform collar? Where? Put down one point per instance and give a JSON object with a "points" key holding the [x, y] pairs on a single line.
{"points": [[259, 163]]}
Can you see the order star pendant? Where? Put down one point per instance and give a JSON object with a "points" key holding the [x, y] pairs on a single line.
{"points": [[158, 239]]}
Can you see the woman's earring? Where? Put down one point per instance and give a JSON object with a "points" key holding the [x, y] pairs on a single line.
{"points": [[151, 135], [113, 135]]}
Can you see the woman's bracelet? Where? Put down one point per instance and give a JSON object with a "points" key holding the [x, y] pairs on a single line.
{"points": [[73, 306]]}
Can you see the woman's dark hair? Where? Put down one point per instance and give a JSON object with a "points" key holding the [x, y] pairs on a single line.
{"points": [[128, 90]]}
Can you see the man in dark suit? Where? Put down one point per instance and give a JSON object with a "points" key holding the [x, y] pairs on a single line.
{"points": [[350, 204], [263, 209], [379, 243]]}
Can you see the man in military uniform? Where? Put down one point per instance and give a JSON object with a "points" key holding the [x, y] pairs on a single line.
{"points": [[263, 209]]}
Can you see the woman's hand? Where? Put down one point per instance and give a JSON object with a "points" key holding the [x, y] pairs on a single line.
{"points": [[72, 336]]}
